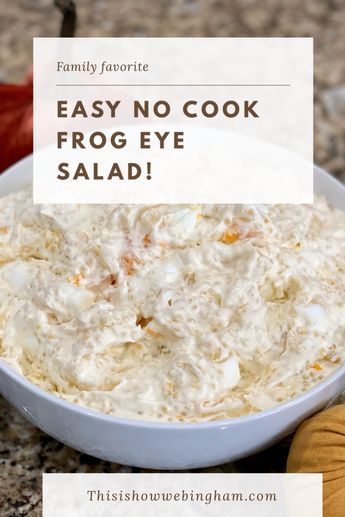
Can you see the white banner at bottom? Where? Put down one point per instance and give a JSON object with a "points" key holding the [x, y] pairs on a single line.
{"points": [[185, 495]]}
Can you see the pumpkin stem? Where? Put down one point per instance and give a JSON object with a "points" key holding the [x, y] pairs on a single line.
{"points": [[69, 17]]}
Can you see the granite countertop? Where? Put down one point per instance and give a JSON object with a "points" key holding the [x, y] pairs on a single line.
{"points": [[26, 452]]}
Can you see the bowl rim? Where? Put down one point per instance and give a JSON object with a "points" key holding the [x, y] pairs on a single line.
{"points": [[17, 377], [8, 370]]}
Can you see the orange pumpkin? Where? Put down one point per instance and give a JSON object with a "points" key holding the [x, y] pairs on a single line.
{"points": [[15, 122], [319, 446]]}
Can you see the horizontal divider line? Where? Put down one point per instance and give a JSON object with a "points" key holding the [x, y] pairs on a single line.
{"points": [[117, 84]]}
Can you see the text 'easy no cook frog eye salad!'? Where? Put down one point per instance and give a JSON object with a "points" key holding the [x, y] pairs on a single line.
{"points": [[172, 312]]}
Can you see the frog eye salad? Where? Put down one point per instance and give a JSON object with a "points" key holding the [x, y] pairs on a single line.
{"points": [[172, 312]]}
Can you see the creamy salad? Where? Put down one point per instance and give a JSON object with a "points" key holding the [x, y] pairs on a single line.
{"points": [[172, 312]]}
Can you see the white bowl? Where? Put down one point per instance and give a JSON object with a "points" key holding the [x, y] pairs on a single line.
{"points": [[163, 445]]}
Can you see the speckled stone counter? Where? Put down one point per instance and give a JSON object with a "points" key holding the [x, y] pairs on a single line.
{"points": [[25, 452], [21, 20]]}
